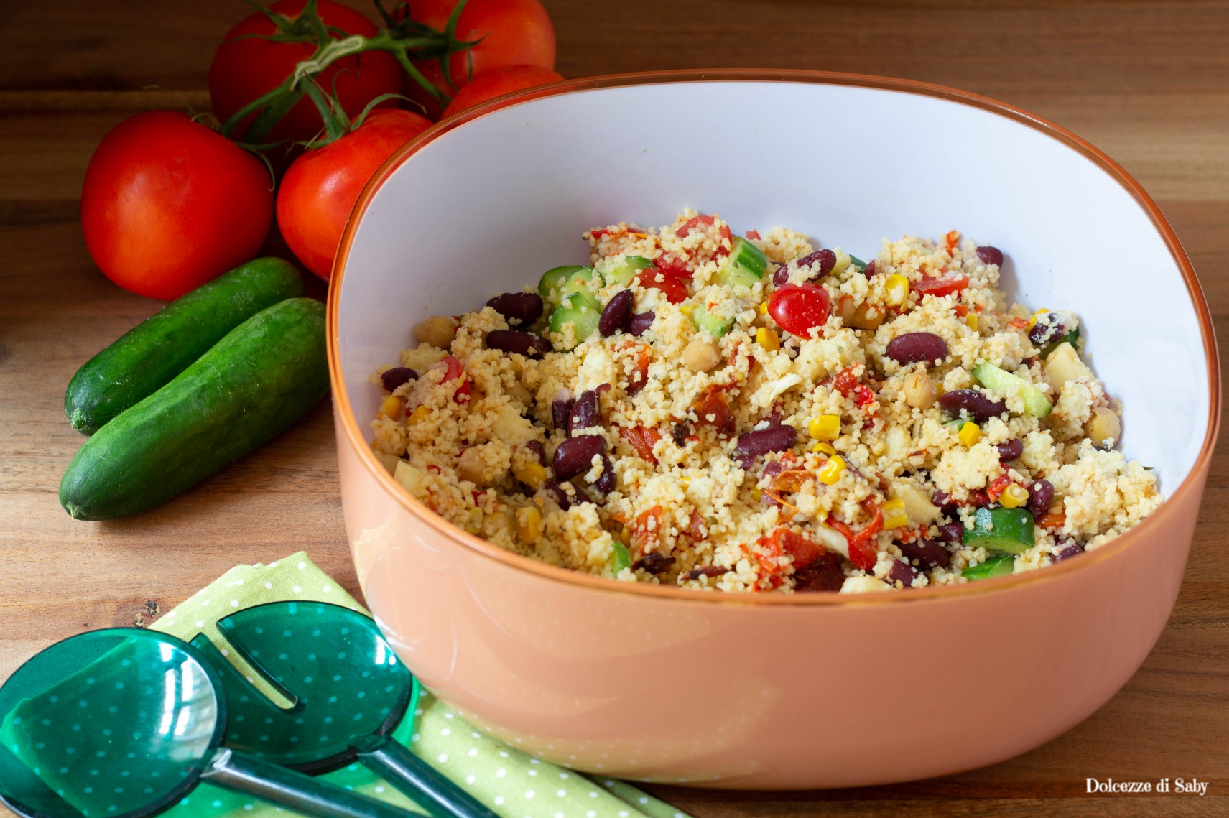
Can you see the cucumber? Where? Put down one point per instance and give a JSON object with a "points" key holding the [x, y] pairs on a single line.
{"points": [[1005, 530], [153, 352], [744, 266], [622, 557], [582, 311], [1000, 380], [624, 270], [714, 325], [999, 566], [264, 375], [557, 282]]}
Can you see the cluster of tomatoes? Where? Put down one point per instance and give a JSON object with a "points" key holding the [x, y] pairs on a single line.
{"points": [[169, 203]]}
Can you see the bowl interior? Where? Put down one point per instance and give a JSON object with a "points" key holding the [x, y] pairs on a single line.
{"points": [[487, 206]]}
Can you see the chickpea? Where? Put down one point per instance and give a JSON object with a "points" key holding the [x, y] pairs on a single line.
{"points": [[701, 355], [866, 316], [438, 331], [1103, 428], [471, 466], [919, 390]]}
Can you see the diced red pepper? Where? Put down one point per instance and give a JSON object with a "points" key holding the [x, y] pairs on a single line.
{"points": [[846, 381], [713, 404], [941, 285], [452, 371], [646, 530], [862, 551], [671, 285], [1052, 521], [754, 234], [642, 439], [997, 487], [698, 221], [950, 240]]}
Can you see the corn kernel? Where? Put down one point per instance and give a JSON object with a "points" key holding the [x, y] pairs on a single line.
{"points": [[1032, 322], [762, 309], [392, 407], [419, 414], [823, 447], [531, 474], [756, 494], [1014, 496], [825, 427], [894, 515], [528, 524], [971, 321], [898, 289], [768, 339], [831, 473], [687, 309], [969, 433]]}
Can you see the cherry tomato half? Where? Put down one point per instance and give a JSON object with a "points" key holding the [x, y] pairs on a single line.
{"points": [[674, 288], [799, 309], [941, 285]]}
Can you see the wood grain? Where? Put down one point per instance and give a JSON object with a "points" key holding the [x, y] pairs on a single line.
{"points": [[1146, 81]]}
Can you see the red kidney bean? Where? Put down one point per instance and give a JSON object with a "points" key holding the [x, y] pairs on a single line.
{"points": [[976, 404], [397, 376], [679, 434], [561, 411], [915, 347], [617, 313], [928, 553], [1067, 548], [901, 572], [579, 495], [869, 272], [763, 441], [585, 411], [640, 323], [705, 571], [821, 263], [1010, 450], [654, 563], [944, 501], [606, 483], [780, 275], [1040, 495], [1047, 330], [824, 574], [522, 343], [523, 307], [952, 533], [990, 254], [539, 451], [574, 455], [556, 492]]}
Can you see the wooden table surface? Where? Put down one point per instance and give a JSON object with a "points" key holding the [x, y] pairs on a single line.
{"points": [[1146, 81]]}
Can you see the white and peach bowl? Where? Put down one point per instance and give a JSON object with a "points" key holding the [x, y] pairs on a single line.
{"points": [[770, 691]]}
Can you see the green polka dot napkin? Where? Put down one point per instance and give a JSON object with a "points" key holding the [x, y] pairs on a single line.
{"points": [[508, 781]]}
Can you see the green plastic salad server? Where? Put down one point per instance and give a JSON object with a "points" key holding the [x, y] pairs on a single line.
{"points": [[125, 722], [348, 692]]}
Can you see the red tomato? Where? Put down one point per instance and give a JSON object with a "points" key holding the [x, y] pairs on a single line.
{"points": [[497, 83], [321, 186], [642, 439], [513, 32], [246, 66], [168, 205], [798, 309], [674, 288], [941, 285]]}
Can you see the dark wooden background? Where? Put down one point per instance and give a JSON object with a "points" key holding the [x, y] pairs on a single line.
{"points": [[1146, 81]]}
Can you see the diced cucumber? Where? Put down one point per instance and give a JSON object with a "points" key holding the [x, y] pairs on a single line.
{"points": [[1072, 337], [857, 262], [557, 282], [1005, 530], [1000, 566], [714, 325], [624, 270], [743, 267], [1000, 380], [622, 557], [582, 311], [843, 260]]}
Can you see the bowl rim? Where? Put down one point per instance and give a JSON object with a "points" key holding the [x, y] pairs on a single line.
{"points": [[350, 433]]}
